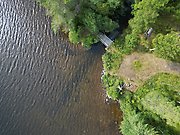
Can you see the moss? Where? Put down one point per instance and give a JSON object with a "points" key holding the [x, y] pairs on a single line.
{"points": [[137, 65]]}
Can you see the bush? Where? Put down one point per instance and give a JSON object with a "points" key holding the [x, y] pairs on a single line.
{"points": [[168, 46], [74, 36], [111, 84], [131, 42], [112, 61]]}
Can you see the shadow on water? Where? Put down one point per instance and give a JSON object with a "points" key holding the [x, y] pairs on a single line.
{"points": [[97, 48]]}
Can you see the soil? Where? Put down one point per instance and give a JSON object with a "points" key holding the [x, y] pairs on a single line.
{"points": [[150, 66]]}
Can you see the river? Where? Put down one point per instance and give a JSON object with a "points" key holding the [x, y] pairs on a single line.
{"points": [[47, 85]]}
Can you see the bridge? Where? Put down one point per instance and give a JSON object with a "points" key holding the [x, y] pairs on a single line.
{"points": [[108, 40], [105, 39]]}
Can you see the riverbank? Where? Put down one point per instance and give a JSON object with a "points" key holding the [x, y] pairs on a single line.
{"points": [[140, 78], [137, 59], [142, 70]]}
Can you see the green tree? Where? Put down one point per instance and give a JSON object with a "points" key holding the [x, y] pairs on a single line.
{"points": [[74, 36], [145, 14], [157, 103], [168, 46], [134, 124], [111, 83], [83, 20], [133, 121]]}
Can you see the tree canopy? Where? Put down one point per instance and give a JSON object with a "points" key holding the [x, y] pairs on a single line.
{"points": [[168, 46], [82, 19]]}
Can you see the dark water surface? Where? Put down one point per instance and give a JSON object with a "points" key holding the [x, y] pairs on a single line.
{"points": [[47, 86]]}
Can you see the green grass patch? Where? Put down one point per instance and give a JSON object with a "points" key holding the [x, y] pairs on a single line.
{"points": [[137, 65]]}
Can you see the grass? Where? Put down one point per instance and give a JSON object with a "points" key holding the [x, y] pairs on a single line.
{"points": [[137, 65]]}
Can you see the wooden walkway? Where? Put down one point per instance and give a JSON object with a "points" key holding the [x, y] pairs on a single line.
{"points": [[108, 40], [105, 40]]}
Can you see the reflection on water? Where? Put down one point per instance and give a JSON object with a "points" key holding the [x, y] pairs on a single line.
{"points": [[47, 86]]}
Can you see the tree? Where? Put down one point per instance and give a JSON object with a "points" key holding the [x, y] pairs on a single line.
{"points": [[83, 20], [111, 83], [133, 121], [145, 14], [168, 46], [157, 103], [134, 124], [74, 36]]}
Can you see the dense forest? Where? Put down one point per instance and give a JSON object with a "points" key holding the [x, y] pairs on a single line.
{"points": [[148, 27]]}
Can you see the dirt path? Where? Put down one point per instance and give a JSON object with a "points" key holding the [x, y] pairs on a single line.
{"points": [[149, 66]]}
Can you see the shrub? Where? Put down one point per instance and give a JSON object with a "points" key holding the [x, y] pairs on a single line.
{"points": [[168, 46], [111, 84]]}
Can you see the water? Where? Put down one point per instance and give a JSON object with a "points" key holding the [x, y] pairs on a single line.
{"points": [[47, 85]]}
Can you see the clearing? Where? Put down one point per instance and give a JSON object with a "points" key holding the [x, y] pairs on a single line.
{"points": [[138, 67]]}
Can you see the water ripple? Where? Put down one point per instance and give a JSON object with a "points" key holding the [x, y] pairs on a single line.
{"points": [[47, 85]]}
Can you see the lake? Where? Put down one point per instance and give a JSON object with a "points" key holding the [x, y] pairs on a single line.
{"points": [[47, 85]]}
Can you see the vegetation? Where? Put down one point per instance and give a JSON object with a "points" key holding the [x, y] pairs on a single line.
{"points": [[133, 123], [137, 65], [113, 61], [83, 20], [111, 83], [156, 102], [168, 46], [151, 110], [155, 107]]}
